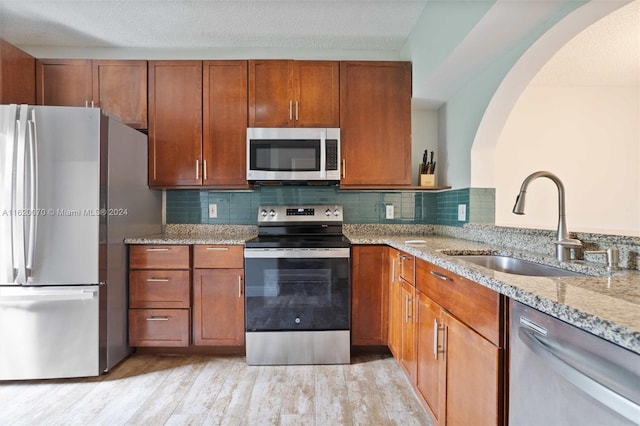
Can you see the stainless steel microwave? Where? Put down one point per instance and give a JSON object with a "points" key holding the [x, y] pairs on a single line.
{"points": [[293, 154]]}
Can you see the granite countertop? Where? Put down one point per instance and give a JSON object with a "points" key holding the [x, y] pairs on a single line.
{"points": [[607, 305]]}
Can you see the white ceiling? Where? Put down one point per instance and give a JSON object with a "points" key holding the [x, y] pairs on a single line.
{"points": [[312, 24]]}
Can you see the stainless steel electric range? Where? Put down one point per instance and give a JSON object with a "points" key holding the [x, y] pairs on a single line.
{"points": [[297, 287]]}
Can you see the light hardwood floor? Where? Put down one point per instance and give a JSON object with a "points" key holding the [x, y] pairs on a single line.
{"points": [[212, 390]]}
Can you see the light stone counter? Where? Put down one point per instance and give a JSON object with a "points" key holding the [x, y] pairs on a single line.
{"points": [[605, 305]]}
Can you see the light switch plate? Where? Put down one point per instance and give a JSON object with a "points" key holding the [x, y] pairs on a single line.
{"points": [[462, 212], [213, 211], [389, 211]]}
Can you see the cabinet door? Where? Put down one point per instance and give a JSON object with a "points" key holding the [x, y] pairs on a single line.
{"points": [[395, 305], [270, 93], [120, 88], [317, 93], [218, 307], [375, 123], [431, 368], [17, 72], [63, 82], [225, 123], [369, 299], [473, 376], [175, 123], [408, 358]]}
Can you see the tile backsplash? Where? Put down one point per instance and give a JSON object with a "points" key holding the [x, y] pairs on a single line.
{"points": [[360, 206]]}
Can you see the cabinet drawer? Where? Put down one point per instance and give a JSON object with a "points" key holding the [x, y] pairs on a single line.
{"points": [[472, 303], [218, 256], [161, 288], [407, 267], [158, 257], [159, 327]]}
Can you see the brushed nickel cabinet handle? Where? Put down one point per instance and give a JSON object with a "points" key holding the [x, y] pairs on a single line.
{"points": [[204, 169], [435, 338], [290, 110], [158, 319], [441, 276], [217, 248], [239, 286], [197, 169], [157, 280], [157, 249], [297, 107], [344, 168]]}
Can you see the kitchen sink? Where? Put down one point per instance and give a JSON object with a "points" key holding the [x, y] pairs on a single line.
{"points": [[512, 265]]}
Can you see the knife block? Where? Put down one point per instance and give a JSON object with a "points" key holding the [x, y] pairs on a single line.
{"points": [[427, 180]]}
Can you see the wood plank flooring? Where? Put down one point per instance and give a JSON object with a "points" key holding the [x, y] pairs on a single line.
{"points": [[220, 390]]}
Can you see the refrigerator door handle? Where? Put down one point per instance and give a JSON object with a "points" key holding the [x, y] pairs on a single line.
{"points": [[8, 188], [47, 296], [20, 199], [33, 192]]}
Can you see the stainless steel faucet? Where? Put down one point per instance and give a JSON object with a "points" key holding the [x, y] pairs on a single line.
{"points": [[564, 244]]}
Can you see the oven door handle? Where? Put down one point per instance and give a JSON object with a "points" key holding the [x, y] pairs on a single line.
{"points": [[296, 253]]}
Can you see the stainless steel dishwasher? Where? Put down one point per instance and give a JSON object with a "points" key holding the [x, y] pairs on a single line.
{"points": [[561, 375]]}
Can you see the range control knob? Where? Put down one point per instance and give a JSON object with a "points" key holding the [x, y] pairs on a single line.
{"points": [[272, 213], [327, 212], [297, 320], [263, 213], [336, 212]]}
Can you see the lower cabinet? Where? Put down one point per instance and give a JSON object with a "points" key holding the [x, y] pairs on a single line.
{"points": [[218, 307], [369, 295], [159, 295], [461, 344], [173, 305]]}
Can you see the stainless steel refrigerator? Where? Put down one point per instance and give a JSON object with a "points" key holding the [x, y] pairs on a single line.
{"points": [[73, 185]]}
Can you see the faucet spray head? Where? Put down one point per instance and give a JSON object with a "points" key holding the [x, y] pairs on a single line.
{"points": [[518, 208]]}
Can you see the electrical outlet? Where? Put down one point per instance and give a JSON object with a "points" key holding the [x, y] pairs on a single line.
{"points": [[462, 212], [389, 211], [213, 211]]}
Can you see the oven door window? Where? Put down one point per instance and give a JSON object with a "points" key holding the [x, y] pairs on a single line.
{"points": [[297, 294], [301, 155]]}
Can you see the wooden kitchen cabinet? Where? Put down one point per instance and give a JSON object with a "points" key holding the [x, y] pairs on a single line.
{"points": [[402, 311], [218, 295], [175, 123], [197, 124], [159, 295], [119, 87], [286, 93], [375, 123], [461, 342], [370, 293], [225, 123], [17, 75]]}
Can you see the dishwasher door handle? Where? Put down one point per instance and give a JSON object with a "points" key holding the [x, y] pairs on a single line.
{"points": [[551, 355]]}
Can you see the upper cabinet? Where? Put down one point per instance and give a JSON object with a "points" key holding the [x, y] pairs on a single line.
{"points": [[17, 75], [175, 123], [294, 93], [118, 87], [225, 123], [375, 123], [197, 124]]}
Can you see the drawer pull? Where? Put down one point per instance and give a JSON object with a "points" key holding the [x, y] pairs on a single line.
{"points": [[407, 317], [157, 280], [157, 249], [239, 286], [440, 276], [217, 248], [158, 319]]}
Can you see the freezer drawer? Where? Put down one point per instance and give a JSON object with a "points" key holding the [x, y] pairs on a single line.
{"points": [[50, 332]]}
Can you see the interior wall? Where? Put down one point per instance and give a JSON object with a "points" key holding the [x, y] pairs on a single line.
{"points": [[424, 136], [580, 119]]}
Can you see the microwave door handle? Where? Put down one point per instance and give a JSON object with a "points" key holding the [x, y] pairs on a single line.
{"points": [[323, 154]]}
